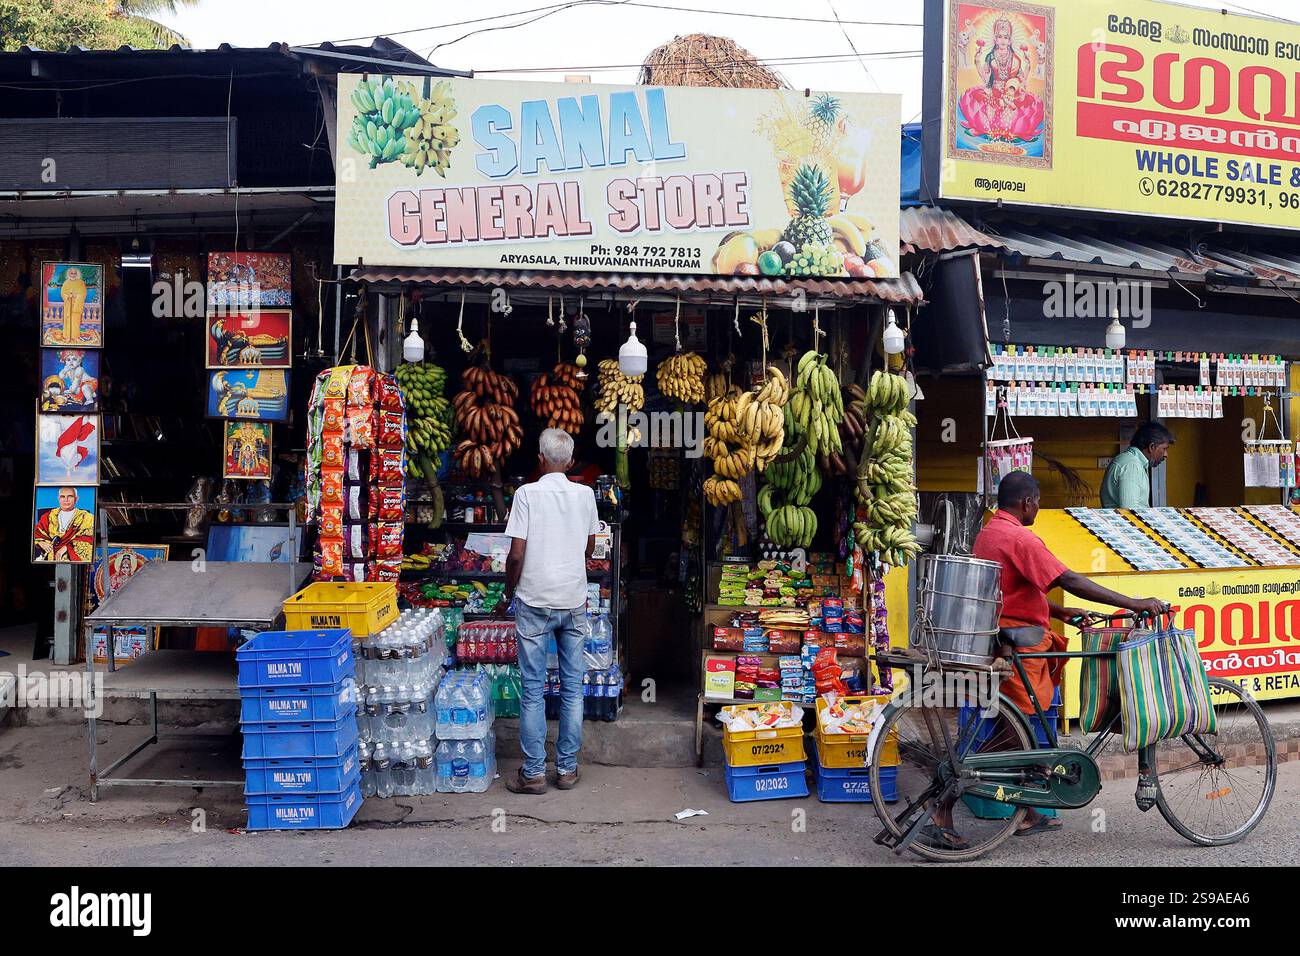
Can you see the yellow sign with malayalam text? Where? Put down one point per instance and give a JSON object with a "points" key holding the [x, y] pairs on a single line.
{"points": [[1247, 622], [1142, 107]]}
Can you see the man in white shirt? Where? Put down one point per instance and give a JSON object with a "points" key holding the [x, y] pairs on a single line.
{"points": [[553, 524]]}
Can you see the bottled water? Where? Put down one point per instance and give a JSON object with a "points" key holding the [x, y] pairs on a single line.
{"points": [[367, 771], [463, 708], [598, 648], [425, 776], [381, 762]]}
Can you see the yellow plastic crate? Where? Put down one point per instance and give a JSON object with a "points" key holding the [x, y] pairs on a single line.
{"points": [[753, 748], [365, 608], [849, 751]]}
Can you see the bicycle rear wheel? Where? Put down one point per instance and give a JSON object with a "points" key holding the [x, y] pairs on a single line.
{"points": [[1215, 788], [911, 745]]}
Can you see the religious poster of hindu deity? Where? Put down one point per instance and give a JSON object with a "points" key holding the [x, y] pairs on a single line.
{"points": [[72, 304], [1000, 83], [247, 450], [69, 380]]}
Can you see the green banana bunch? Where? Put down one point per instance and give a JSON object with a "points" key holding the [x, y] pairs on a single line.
{"points": [[428, 415], [788, 489], [818, 403], [792, 526], [385, 111], [884, 490], [887, 396]]}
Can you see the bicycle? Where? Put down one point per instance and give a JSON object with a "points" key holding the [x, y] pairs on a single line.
{"points": [[983, 767]]}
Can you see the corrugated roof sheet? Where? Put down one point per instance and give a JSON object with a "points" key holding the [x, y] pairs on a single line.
{"points": [[904, 289], [932, 229]]}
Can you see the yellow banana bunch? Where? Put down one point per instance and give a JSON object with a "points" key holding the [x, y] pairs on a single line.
{"points": [[721, 491], [681, 376], [715, 386], [614, 389]]}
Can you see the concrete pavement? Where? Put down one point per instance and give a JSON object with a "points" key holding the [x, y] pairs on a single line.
{"points": [[618, 815]]}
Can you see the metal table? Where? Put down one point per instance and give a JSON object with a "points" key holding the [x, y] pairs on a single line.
{"points": [[184, 594]]}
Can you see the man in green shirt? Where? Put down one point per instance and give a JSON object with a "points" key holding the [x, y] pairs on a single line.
{"points": [[1128, 479]]}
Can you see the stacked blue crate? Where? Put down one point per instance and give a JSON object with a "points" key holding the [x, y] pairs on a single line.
{"points": [[298, 707]]}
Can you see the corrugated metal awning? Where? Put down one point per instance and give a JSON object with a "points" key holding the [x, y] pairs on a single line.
{"points": [[904, 289], [932, 229]]}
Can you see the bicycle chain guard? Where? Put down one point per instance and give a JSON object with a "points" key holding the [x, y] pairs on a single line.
{"points": [[1062, 779]]}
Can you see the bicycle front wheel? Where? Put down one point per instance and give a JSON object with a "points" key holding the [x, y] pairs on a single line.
{"points": [[1215, 788], [912, 761]]}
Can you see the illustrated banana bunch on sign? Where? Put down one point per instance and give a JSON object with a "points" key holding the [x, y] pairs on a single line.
{"points": [[394, 122]]}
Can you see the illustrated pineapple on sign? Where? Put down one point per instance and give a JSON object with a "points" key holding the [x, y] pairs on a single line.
{"points": [[809, 232], [810, 191], [823, 115]]}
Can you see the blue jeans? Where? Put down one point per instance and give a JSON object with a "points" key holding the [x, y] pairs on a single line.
{"points": [[534, 626]]}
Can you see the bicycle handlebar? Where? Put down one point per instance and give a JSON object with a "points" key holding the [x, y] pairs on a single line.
{"points": [[1137, 617]]}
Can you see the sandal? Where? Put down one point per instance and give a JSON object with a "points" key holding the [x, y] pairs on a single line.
{"points": [[945, 836], [1041, 825]]}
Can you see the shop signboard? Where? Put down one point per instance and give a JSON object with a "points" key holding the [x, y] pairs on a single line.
{"points": [[1148, 108], [579, 177], [1247, 622]]}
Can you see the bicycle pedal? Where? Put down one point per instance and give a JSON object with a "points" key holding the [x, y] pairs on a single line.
{"points": [[1145, 795]]}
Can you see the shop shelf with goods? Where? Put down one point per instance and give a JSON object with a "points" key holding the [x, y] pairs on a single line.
{"points": [[298, 705], [765, 627], [464, 572]]}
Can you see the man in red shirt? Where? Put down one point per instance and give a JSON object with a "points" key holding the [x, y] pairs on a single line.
{"points": [[1029, 572]]}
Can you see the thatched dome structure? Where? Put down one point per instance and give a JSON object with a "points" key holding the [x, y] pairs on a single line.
{"points": [[703, 60]]}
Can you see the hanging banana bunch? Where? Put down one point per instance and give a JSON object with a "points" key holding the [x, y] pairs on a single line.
{"points": [[884, 489], [681, 376]]}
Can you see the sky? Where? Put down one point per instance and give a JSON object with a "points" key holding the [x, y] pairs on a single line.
{"points": [[590, 34]]}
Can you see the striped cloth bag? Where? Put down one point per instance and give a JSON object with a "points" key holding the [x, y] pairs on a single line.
{"points": [[1163, 688], [1098, 680]]}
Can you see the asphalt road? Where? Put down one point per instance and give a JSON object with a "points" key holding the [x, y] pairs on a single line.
{"points": [[616, 816]]}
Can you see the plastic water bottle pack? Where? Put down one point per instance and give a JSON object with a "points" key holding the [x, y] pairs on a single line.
{"points": [[466, 766], [463, 706]]}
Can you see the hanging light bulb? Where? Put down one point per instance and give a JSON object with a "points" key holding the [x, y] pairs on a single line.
{"points": [[1115, 334], [893, 338], [632, 357], [413, 344]]}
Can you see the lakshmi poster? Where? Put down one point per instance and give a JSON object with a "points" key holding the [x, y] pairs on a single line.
{"points": [[249, 339], [1000, 83], [72, 304], [67, 449], [69, 380], [247, 450], [124, 560]]}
